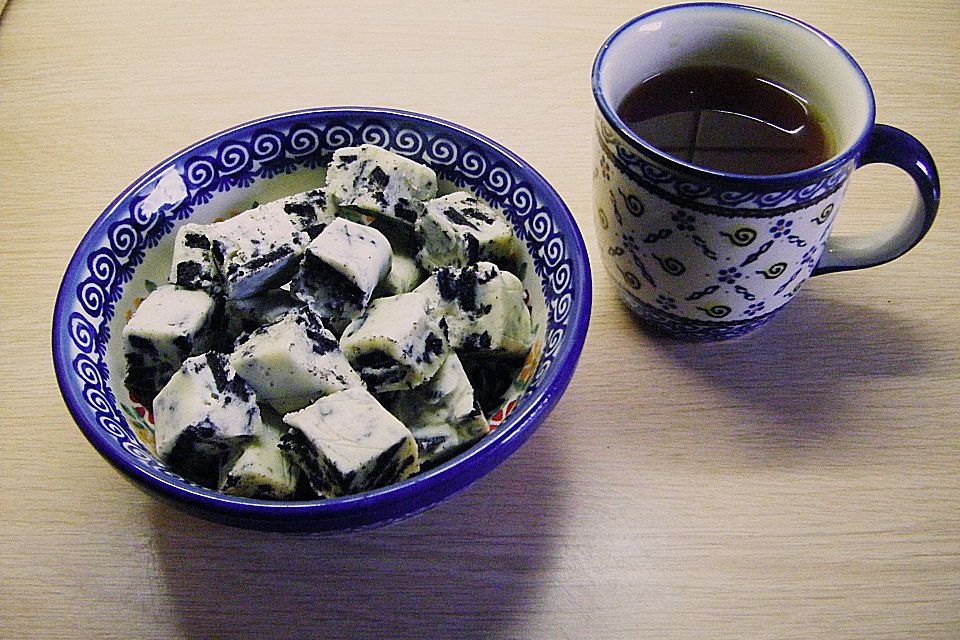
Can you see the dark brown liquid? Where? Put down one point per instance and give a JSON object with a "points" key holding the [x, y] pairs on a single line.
{"points": [[727, 119]]}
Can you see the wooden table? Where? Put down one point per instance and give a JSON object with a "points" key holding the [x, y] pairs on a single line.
{"points": [[802, 482]]}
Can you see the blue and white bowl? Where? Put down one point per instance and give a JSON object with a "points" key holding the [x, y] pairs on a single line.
{"points": [[127, 252]]}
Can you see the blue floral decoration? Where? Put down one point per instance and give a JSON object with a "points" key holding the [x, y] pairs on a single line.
{"points": [[683, 220], [729, 275], [781, 228]]}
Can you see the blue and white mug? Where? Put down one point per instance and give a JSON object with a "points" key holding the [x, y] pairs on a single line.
{"points": [[704, 254]]}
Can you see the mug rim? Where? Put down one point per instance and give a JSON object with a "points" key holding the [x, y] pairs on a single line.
{"points": [[835, 162]]}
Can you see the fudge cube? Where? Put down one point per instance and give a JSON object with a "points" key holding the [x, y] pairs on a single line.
{"points": [[293, 362], [396, 343], [246, 315], [458, 229], [483, 309], [203, 416], [491, 378], [262, 470], [257, 250], [441, 414], [170, 325], [403, 277], [347, 442], [193, 266], [341, 268], [308, 211], [373, 180], [401, 234]]}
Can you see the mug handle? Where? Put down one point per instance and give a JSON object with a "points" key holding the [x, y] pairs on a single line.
{"points": [[897, 147]]}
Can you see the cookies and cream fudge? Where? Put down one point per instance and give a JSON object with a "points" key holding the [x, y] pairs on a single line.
{"points": [[245, 315], [442, 413], [483, 309], [458, 229], [292, 362], [170, 325], [376, 181], [193, 266], [347, 442], [370, 284], [396, 343], [202, 417], [400, 233], [257, 250], [404, 276], [308, 211], [340, 270], [262, 470]]}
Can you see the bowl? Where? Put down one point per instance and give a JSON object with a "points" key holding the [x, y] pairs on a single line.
{"points": [[127, 252]]}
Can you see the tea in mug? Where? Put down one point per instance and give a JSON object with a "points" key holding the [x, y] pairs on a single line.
{"points": [[727, 119]]}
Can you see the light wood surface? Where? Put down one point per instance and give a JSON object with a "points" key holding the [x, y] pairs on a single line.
{"points": [[802, 482]]}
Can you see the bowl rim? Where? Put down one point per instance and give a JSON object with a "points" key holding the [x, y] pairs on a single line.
{"points": [[505, 438]]}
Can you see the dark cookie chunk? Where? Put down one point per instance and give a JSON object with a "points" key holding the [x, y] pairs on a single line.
{"points": [[189, 274], [196, 241]]}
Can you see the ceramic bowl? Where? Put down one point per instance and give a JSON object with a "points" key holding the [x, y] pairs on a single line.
{"points": [[127, 251]]}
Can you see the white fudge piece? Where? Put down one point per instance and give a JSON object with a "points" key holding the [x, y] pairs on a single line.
{"points": [[403, 277], [262, 470], [396, 343], [341, 268], [193, 266], [308, 211], [293, 362], [374, 180], [203, 416], [441, 413], [483, 309], [347, 443], [458, 229], [400, 233], [257, 250], [170, 325], [249, 314]]}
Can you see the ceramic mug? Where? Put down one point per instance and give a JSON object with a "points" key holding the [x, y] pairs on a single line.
{"points": [[705, 254]]}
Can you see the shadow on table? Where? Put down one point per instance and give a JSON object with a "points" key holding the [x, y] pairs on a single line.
{"points": [[473, 567], [800, 372]]}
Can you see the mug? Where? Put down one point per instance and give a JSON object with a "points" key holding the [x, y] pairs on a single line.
{"points": [[705, 254]]}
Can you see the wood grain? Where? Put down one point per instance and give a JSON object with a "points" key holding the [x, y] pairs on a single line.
{"points": [[802, 482]]}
